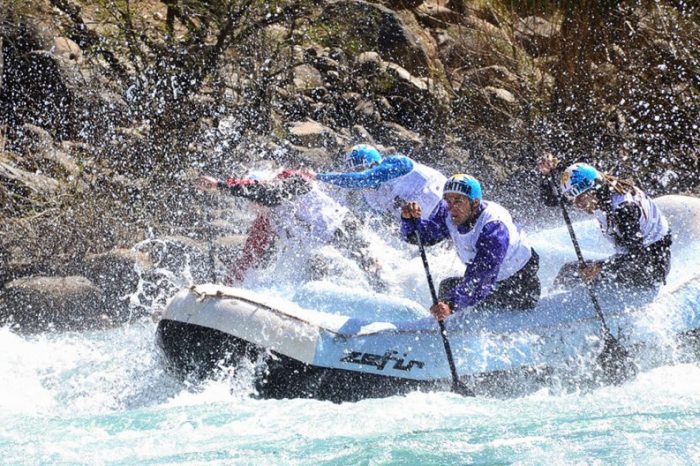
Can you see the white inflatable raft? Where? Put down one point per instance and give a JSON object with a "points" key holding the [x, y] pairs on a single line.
{"points": [[322, 347]]}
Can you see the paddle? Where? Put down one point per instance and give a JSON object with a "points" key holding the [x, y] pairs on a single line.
{"points": [[614, 359], [457, 386]]}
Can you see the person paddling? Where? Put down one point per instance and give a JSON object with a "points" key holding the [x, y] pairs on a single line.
{"points": [[628, 218], [387, 183], [293, 210], [501, 267]]}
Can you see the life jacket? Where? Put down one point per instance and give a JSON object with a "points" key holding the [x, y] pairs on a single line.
{"points": [[313, 216], [653, 225], [518, 252], [422, 185]]}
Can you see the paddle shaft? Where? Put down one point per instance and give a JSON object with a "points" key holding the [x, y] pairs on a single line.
{"points": [[581, 262], [443, 331]]}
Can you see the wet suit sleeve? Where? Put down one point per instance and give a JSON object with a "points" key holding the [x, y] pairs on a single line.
{"points": [[628, 235], [268, 193], [390, 168], [260, 237], [432, 231], [481, 273]]}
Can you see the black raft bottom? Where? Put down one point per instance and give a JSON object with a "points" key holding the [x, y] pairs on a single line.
{"points": [[195, 353]]}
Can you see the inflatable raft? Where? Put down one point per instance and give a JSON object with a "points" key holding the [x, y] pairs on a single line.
{"points": [[329, 344]]}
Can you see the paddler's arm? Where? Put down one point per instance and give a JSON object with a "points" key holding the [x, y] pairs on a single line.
{"points": [[390, 168], [481, 273], [432, 231], [268, 193], [549, 191]]}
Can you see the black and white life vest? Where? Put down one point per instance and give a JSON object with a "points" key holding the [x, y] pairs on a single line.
{"points": [[653, 225]]}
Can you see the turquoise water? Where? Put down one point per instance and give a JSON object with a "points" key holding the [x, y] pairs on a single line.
{"points": [[104, 398]]}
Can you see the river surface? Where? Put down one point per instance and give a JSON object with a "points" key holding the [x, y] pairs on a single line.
{"points": [[103, 397]]}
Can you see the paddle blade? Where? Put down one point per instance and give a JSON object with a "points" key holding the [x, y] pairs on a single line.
{"points": [[461, 389], [615, 362]]}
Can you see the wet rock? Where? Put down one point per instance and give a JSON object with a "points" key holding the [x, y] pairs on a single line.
{"points": [[181, 256], [307, 156], [311, 134], [117, 273], [41, 304], [383, 30], [500, 97], [67, 50], [4, 260], [367, 111], [20, 189], [369, 63], [436, 14], [396, 135], [405, 79], [306, 77], [361, 135], [411, 101], [320, 59], [34, 87], [536, 34], [298, 107], [494, 75]]}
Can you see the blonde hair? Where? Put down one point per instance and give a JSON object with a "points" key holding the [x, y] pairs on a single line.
{"points": [[619, 185]]}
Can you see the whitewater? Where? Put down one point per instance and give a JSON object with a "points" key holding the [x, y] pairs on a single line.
{"points": [[104, 397]]}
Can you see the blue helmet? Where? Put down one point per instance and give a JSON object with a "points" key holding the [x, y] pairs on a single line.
{"points": [[577, 179], [362, 155], [463, 184]]}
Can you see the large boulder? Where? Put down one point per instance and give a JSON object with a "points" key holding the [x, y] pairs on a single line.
{"points": [[306, 77], [402, 97], [311, 133], [38, 304], [370, 26], [66, 50], [476, 43]]}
